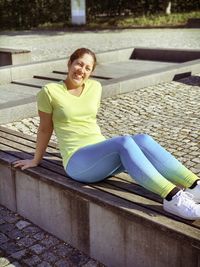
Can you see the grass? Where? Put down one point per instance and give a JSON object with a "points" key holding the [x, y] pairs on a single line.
{"points": [[158, 20]]}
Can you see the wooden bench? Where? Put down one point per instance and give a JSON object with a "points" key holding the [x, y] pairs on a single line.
{"points": [[10, 56], [115, 221]]}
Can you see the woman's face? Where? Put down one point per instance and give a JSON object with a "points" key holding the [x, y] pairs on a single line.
{"points": [[79, 70]]}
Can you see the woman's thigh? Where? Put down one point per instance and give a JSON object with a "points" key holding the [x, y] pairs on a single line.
{"points": [[96, 162]]}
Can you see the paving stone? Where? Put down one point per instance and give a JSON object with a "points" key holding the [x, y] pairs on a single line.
{"points": [[31, 261], [6, 228], [44, 264], [22, 224], [31, 230], [63, 263], [10, 247], [50, 241], [11, 218], [2, 221], [3, 238], [26, 241], [19, 254], [15, 234], [64, 250], [38, 249], [39, 236], [50, 257]]}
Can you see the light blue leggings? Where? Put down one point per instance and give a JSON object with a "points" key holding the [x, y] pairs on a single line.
{"points": [[140, 155]]}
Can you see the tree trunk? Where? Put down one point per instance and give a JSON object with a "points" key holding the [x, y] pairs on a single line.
{"points": [[168, 8]]}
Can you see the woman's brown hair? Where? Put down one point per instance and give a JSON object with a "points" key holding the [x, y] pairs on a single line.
{"points": [[80, 52]]}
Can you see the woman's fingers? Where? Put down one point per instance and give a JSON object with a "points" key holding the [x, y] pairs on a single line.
{"points": [[24, 164]]}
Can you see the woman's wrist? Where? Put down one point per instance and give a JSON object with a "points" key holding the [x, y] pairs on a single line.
{"points": [[36, 161]]}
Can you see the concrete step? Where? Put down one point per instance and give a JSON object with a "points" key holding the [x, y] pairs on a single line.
{"points": [[17, 102], [119, 72]]}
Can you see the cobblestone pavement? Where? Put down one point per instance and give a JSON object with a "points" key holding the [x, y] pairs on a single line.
{"points": [[22, 244]]}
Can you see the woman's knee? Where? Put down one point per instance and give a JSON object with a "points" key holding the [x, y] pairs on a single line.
{"points": [[142, 139], [124, 141]]}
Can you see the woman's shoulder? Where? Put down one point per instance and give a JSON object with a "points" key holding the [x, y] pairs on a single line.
{"points": [[94, 83], [52, 88]]}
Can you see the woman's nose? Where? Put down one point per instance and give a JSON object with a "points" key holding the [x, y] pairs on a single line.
{"points": [[81, 69]]}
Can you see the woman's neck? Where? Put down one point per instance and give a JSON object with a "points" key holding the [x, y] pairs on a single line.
{"points": [[71, 86]]}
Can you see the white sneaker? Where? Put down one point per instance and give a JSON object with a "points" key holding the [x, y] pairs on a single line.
{"points": [[183, 205], [195, 192]]}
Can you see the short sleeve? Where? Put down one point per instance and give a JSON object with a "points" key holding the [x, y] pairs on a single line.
{"points": [[44, 100]]}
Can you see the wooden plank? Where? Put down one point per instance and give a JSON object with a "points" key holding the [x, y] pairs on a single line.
{"points": [[132, 187], [21, 139], [5, 157], [50, 163], [25, 136]]}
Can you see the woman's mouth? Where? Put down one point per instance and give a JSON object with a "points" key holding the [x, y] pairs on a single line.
{"points": [[78, 77]]}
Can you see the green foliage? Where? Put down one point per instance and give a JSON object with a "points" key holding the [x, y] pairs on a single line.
{"points": [[156, 20], [23, 14]]}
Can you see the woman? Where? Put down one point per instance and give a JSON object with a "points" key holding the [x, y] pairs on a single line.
{"points": [[70, 108]]}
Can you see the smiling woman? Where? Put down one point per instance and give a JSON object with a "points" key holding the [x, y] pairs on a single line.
{"points": [[81, 64], [70, 108]]}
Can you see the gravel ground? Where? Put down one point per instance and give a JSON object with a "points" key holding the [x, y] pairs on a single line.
{"points": [[52, 44]]}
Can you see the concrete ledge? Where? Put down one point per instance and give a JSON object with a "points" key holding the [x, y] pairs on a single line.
{"points": [[119, 227], [10, 56], [167, 55], [132, 82], [108, 229], [24, 71], [17, 110]]}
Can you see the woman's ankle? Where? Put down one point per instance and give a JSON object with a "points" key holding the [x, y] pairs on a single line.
{"points": [[172, 193]]}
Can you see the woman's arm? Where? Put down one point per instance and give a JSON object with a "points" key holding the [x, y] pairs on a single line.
{"points": [[43, 136]]}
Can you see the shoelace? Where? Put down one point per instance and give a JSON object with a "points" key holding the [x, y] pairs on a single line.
{"points": [[184, 198]]}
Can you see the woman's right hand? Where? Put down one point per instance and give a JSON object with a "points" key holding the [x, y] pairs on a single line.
{"points": [[25, 164]]}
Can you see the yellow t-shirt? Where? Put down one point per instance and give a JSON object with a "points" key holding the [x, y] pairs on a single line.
{"points": [[74, 118]]}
